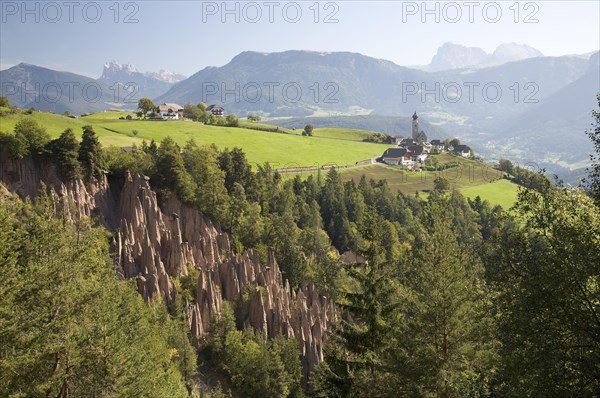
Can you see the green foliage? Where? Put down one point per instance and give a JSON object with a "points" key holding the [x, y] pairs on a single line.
{"points": [[593, 180], [335, 213], [90, 153], [358, 356], [119, 162], [308, 130], [256, 367], [506, 166], [191, 111], [203, 167], [450, 333], [146, 106], [441, 184], [379, 138], [231, 120], [545, 269], [169, 173], [69, 327], [4, 101], [30, 139], [64, 151], [189, 284], [253, 118], [454, 142]]}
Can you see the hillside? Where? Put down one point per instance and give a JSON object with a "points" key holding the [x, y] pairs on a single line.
{"points": [[527, 94], [281, 150], [472, 178], [392, 125], [250, 274], [30, 86], [340, 146]]}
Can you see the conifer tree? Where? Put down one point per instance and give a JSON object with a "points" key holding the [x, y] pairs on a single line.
{"points": [[451, 333], [90, 153]]}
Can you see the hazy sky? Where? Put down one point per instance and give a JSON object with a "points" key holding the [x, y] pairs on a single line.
{"points": [[186, 36]]}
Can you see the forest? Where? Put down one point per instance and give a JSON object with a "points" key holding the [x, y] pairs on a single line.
{"points": [[455, 298]]}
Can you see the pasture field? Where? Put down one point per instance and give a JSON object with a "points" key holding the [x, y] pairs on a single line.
{"points": [[287, 149], [501, 192], [471, 178], [279, 149]]}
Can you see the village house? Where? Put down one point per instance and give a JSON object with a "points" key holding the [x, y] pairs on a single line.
{"points": [[438, 145], [169, 111], [462, 150], [215, 110], [417, 153], [397, 156]]}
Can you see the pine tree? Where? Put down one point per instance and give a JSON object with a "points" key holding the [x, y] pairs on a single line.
{"points": [[545, 270], [68, 327], [64, 151], [593, 180], [90, 153], [450, 335], [358, 361]]}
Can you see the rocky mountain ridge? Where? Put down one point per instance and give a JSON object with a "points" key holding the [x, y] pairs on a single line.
{"points": [[454, 56], [154, 246], [138, 84]]}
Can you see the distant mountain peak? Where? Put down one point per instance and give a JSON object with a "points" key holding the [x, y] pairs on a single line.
{"points": [[115, 71], [455, 56], [115, 67], [508, 52]]}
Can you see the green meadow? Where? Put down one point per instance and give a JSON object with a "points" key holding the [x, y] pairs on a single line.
{"points": [[287, 148], [501, 192], [471, 178], [279, 149]]}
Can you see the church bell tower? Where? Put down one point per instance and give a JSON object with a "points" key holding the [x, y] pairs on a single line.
{"points": [[415, 125]]}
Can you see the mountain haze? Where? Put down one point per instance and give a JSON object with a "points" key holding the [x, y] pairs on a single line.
{"points": [[149, 84], [502, 110], [30, 86], [456, 56]]}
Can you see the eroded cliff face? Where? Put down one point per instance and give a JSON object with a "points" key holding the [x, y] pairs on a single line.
{"points": [[155, 245]]}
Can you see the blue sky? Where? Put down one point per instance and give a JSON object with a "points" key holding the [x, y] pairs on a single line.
{"points": [[186, 36]]}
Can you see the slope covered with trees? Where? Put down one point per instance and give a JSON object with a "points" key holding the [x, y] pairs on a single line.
{"points": [[443, 297]]}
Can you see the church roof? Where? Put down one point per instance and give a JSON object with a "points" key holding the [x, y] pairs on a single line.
{"points": [[415, 117]]}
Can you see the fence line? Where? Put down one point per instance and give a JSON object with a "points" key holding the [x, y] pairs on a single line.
{"points": [[306, 169]]}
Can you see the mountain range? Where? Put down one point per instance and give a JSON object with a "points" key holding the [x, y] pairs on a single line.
{"points": [[455, 56], [531, 108], [148, 84]]}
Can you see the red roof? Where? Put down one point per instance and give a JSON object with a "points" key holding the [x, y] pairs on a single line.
{"points": [[173, 107]]}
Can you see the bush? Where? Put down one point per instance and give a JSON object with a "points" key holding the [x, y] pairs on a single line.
{"points": [[308, 130], [31, 137], [231, 120]]}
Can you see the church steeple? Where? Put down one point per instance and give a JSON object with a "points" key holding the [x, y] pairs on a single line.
{"points": [[415, 125]]}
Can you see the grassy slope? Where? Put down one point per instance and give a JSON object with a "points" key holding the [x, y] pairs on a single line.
{"points": [[281, 150], [329, 145], [341, 133], [501, 192], [471, 178]]}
